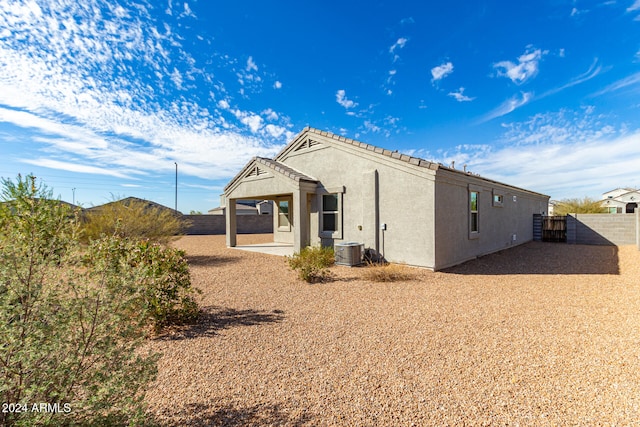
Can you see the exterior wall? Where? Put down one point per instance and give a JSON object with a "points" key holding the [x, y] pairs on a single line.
{"points": [[215, 224], [375, 190], [500, 225], [601, 229]]}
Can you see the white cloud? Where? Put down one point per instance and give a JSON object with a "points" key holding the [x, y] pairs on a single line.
{"points": [[526, 67], [563, 154], [72, 91], [459, 96], [176, 78], [270, 114], [441, 71], [508, 106], [371, 127], [275, 131], [187, 11], [632, 80], [635, 6], [594, 70], [398, 44], [251, 120], [341, 98], [251, 66], [277, 85], [75, 167]]}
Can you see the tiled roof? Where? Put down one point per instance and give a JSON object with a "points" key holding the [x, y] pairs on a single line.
{"points": [[284, 169], [393, 154]]}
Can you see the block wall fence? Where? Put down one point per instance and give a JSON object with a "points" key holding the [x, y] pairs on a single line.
{"points": [[598, 229], [215, 224]]}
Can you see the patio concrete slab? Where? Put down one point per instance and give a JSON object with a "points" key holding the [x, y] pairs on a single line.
{"points": [[272, 248]]}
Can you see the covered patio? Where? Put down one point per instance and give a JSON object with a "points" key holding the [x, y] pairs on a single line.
{"points": [[294, 197], [272, 248]]}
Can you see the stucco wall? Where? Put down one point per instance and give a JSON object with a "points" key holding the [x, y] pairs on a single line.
{"points": [[377, 190], [602, 229], [500, 225], [215, 224]]}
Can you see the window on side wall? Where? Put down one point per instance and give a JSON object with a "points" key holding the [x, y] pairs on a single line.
{"points": [[498, 200], [474, 218], [331, 217], [284, 218]]}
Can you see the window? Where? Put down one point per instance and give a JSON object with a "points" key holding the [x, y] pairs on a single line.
{"points": [[331, 215], [473, 207], [330, 212], [498, 200], [284, 222]]}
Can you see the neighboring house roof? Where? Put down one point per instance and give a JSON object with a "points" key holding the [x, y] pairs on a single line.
{"points": [[622, 193], [619, 192]]}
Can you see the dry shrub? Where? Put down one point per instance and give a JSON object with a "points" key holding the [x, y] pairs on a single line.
{"points": [[387, 273], [135, 219]]}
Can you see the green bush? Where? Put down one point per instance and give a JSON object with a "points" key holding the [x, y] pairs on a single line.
{"points": [[73, 319], [163, 284], [135, 219], [312, 263]]}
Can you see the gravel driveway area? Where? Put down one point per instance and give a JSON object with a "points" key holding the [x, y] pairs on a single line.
{"points": [[541, 334]]}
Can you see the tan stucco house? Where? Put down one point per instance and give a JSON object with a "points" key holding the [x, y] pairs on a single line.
{"points": [[330, 189]]}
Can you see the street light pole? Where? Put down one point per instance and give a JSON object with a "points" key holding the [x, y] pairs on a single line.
{"points": [[176, 163]]}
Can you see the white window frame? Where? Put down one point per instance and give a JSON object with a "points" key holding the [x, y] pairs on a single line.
{"points": [[474, 234], [337, 234], [498, 199], [286, 227]]}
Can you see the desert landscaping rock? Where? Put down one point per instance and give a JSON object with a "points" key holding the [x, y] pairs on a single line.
{"points": [[542, 334]]}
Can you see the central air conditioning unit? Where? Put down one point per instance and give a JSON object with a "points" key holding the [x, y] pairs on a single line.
{"points": [[349, 253]]}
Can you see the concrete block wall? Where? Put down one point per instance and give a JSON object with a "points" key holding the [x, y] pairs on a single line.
{"points": [[602, 229], [215, 224]]}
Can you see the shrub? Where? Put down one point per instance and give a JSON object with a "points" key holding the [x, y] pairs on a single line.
{"points": [[74, 319], [312, 263], [135, 219], [586, 205], [163, 284], [387, 273]]}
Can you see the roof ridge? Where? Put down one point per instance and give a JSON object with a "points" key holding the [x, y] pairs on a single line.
{"points": [[417, 161]]}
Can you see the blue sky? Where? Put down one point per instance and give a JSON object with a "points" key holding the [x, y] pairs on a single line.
{"points": [[100, 99]]}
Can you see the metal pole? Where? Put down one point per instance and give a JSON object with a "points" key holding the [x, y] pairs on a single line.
{"points": [[74, 195], [176, 163]]}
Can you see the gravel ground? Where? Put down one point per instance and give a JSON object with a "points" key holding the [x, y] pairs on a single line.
{"points": [[542, 334]]}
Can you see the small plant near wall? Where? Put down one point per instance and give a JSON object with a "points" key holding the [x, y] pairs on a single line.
{"points": [[312, 263]]}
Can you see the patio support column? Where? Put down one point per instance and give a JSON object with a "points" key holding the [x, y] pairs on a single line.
{"points": [[230, 221], [300, 226]]}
